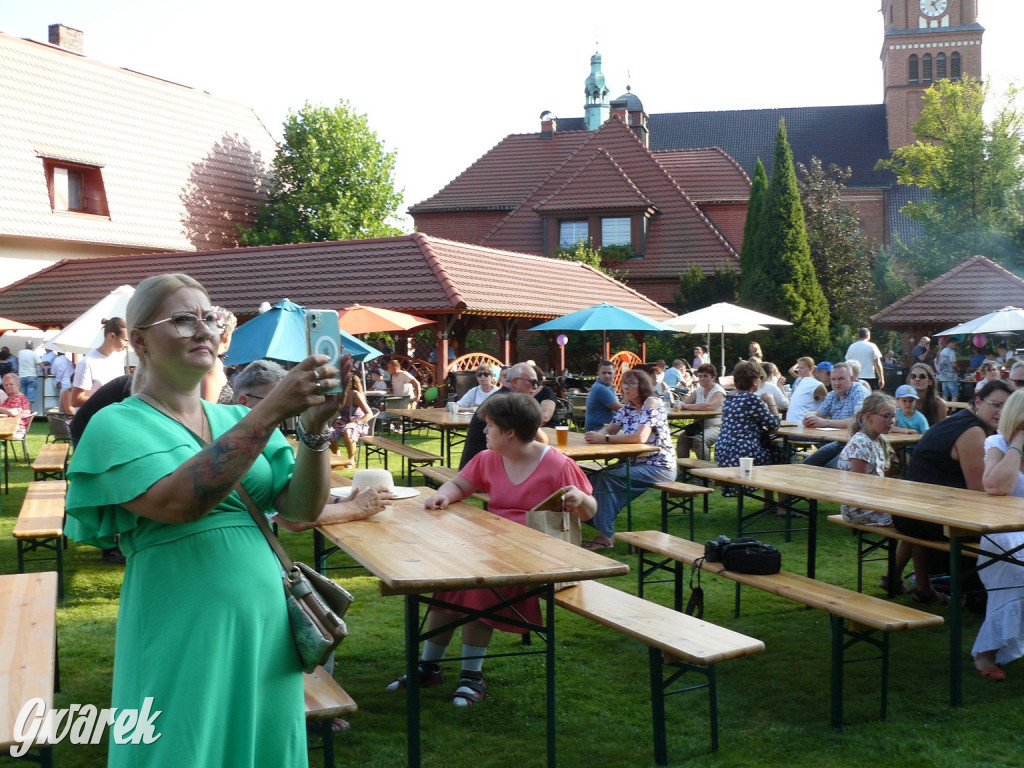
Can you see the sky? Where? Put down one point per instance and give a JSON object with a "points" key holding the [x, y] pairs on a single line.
{"points": [[442, 82]]}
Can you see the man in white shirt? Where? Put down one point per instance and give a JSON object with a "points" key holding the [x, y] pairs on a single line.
{"points": [[869, 357], [28, 371], [404, 383]]}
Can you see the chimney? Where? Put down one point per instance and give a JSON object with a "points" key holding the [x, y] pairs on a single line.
{"points": [[548, 125], [67, 38]]}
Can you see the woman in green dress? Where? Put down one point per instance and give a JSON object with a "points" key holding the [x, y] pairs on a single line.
{"points": [[202, 628]]}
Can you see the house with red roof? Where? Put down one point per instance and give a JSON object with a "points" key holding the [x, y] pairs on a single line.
{"points": [[102, 161]]}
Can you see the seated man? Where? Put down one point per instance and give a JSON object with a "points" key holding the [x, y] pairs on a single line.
{"points": [[520, 378], [835, 412], [602, 402], [403, 383]]}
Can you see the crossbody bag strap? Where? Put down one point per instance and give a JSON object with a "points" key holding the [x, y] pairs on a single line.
{"points": [[258, 517]]}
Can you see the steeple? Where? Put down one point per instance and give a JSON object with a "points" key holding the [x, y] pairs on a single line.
{"points": [[596, 110]]}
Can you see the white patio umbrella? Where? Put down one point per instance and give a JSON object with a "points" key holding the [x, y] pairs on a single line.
{"points": [[85, 332], [723, 318], [1002, 320]]}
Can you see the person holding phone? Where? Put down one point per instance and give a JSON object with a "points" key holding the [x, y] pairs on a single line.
{"points": [[519, 473], [202, 589]]}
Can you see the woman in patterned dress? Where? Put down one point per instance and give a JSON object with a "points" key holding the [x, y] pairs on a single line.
{"points": [[746, 420]]}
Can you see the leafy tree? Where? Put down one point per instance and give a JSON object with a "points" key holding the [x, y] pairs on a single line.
{"points": [[698, 290], [750, 257], [333, 180], [841, 255], [790, 288], [974, 172]]}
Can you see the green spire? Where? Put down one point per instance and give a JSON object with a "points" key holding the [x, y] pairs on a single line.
{"points": [[596, 109]]}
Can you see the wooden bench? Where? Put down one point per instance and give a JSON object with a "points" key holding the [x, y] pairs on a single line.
{"points": [[873, 538], [686, 464], [51, 462], [40, 525], [28, 655], [325, 700], [854, 617], [439, 475], [677, 499], [411, 457], [676, 640]]}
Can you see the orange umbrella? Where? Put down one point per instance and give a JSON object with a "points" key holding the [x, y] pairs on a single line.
{"points": [[14, 325], [358, 319]]}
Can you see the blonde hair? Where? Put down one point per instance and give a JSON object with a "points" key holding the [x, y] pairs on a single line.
{"points": [[1012, 415], [145, 302], [873, 403]]}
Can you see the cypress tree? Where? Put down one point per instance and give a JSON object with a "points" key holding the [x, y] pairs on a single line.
{"points": [[789, 288], [750, 256]]}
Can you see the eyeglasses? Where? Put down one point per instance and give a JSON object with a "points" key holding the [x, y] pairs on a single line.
{"points": [[996, 405], [483, 375], [1017, 383], [631, 383], [886, 416], [531, 382], [186, 324], [918, 376]]}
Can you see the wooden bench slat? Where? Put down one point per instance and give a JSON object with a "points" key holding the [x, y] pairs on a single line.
{"points": [[324, 697], [676, 488], [42, 512], [52, 457], [678, 634], [28, 611], [891, 532], [400, 448], [854, 606]]}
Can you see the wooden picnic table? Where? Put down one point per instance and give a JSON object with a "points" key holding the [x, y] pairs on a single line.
{"points": [[800, 433], [415, 552], [452, 426], [963, 514]]}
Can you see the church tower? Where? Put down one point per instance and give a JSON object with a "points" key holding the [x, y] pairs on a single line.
{"points": [[597, 109], [925, 41]]}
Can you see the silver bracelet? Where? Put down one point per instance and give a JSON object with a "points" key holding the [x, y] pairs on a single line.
{"points": [[318, 442]]}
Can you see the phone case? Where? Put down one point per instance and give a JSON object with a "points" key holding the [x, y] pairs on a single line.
{"points": [[323, 337]]}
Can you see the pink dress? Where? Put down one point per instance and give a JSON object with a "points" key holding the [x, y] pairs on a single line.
{"points": [[486, 472]]}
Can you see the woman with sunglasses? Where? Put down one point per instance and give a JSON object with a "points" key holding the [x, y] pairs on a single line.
{"points": [[950, 453], [1001, 636], [868, 452], [485, 388], [642, 419], [201, 600], [922, 379]]}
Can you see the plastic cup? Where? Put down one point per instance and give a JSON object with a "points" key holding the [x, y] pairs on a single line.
{"points": [[562, 436], [746, 466], [453, 408]]}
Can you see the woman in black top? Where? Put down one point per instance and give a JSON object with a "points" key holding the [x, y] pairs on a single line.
{"points": [[950, 453]]}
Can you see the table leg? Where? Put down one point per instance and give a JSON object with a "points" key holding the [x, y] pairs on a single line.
{"points": [[412, 679], [956, 693], [550, 660], [812, 535]]}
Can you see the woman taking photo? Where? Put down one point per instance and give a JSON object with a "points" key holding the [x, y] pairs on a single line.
{"points": [[922, 378], [519, 473], [1001, 637], [641, 419], [202, 615]]}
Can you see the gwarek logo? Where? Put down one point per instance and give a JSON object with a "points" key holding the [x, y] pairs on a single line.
{"points": [[82, 725]]}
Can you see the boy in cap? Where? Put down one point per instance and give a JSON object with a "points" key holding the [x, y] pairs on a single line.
{"points": [[908, 419]]}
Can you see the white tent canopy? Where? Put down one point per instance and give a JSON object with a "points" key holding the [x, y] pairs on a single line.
{"points": [[723, 318], [85, 332]]}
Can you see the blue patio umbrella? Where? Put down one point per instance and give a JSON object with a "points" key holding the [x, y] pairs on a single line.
{"points": [[601, 317], [280, 334]]}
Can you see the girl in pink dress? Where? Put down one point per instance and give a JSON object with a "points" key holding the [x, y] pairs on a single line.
{"points": [[518, 473]]}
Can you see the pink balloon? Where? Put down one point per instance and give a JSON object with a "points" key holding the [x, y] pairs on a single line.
{"points": [[979, 339], [561, 339], [942, 341]]}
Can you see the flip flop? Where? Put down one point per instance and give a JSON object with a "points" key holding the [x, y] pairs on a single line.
{"points": [[597, 543]]}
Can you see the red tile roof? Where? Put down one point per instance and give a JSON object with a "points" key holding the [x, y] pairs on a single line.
{"points": [[180, 167], [412, 273], [707, 175], [972, 289], [506, 175], [598, 183], [679, 237]]}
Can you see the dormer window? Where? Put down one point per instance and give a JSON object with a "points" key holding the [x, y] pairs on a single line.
{"points": [[572, 232], [75, 187], [616, 231]]}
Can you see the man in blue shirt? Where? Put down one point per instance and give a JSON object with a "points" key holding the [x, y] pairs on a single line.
{"points": [[674, 375], [601, 402], [835, 412]]}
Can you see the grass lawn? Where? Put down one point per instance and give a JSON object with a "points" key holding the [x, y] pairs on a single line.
{"points": [[774, 707]]}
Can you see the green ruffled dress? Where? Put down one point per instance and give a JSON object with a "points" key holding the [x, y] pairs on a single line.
{"points": [[202, 626]]}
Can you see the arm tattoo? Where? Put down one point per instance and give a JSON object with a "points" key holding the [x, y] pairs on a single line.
{"points": [[220, 466]]}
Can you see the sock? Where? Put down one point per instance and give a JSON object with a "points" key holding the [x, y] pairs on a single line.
{"points": [[432, 652], [473, 665]]}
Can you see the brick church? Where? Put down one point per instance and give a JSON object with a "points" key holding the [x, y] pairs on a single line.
{"points": [[672, 187]]}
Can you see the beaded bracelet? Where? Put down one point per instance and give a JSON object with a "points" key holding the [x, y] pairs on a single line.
{"points": [[318, 442], [1018, 450]]}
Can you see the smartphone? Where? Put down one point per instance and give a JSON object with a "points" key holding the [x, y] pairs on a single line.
{"points": [[323, 337]]}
